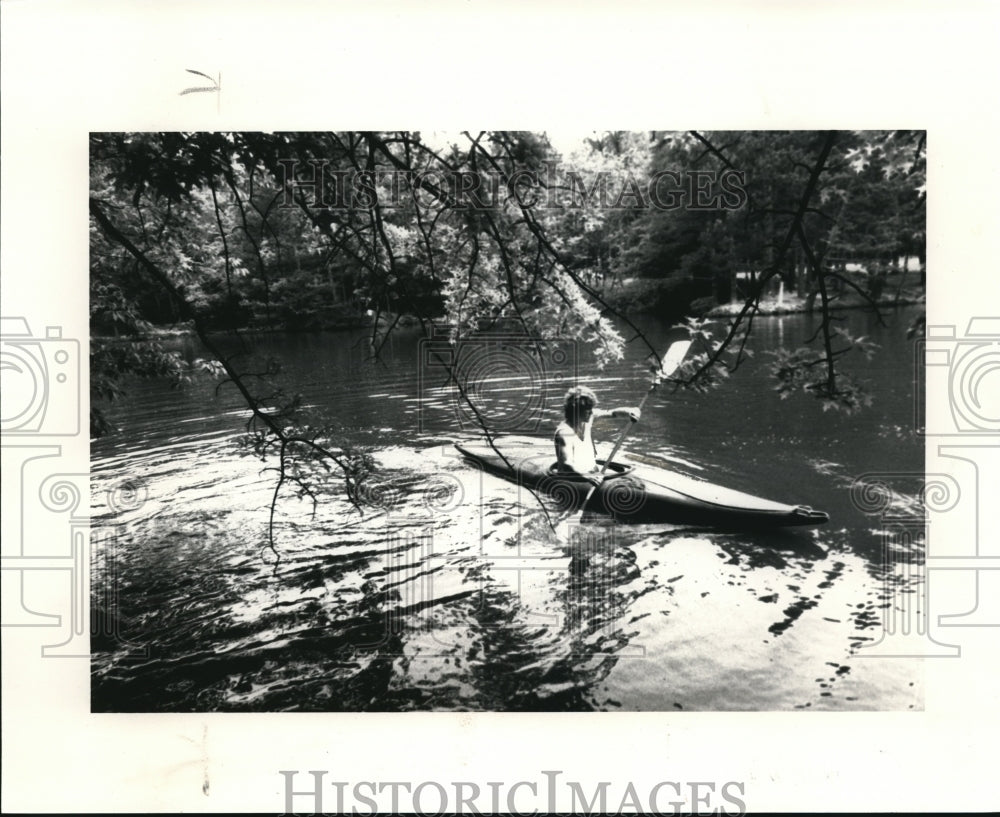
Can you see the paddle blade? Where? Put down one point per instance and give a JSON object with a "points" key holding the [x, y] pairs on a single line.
{"points": [[673, 358]]}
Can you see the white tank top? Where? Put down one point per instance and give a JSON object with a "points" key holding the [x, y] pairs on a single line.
{"points": [[579, 453]]}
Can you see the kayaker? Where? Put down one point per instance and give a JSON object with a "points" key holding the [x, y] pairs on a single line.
{"points": [[575, 450]]}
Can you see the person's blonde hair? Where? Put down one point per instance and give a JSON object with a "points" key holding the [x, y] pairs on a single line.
{"points": [[574, 401]]}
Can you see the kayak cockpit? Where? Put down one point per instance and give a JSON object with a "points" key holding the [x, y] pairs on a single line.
{"points": [[612, 471]]}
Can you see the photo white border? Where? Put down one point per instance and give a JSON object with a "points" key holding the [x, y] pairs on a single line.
{"points": [[70, 68]]}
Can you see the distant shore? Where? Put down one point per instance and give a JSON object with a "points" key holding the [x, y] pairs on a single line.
{"points": [[674, 298], [639, 297], [791, 304], [186, 328]]}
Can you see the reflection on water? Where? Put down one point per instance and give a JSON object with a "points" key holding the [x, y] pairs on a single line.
{"points": [[452, 592]]}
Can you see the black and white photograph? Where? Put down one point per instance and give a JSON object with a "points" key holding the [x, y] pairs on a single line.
{"points": [[498, 407], [499, 421]]}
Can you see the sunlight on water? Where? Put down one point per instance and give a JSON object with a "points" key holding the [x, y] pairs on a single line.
{"points": [[449, 589]]}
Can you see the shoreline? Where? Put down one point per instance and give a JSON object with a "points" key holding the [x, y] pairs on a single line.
{"points": [[181, 330], [793, 304], [769, 307]]}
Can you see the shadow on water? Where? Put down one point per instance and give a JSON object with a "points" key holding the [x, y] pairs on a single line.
{"points": [[453, 594]]}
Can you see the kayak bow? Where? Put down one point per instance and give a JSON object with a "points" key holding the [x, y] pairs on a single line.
{"points": [[633, 492]]}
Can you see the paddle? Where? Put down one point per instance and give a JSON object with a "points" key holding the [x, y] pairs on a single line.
{"points": [[671, 361]]}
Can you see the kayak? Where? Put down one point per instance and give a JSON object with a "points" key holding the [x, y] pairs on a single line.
{"points": [[633, 491]]}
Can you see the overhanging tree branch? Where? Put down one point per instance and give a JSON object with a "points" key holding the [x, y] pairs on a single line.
{"points": [[349, 470], [752, 305]]}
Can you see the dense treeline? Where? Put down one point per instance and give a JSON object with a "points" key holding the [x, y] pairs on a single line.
{"points": [[217, 212]]}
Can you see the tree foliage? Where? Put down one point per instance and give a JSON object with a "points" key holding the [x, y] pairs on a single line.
{"points": [[225, 231]]}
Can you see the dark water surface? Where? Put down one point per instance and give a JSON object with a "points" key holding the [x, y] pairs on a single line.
{"points": [[453, 593]]}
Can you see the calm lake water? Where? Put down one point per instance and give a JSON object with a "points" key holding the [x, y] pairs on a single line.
{"points": [[452, 592]]}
